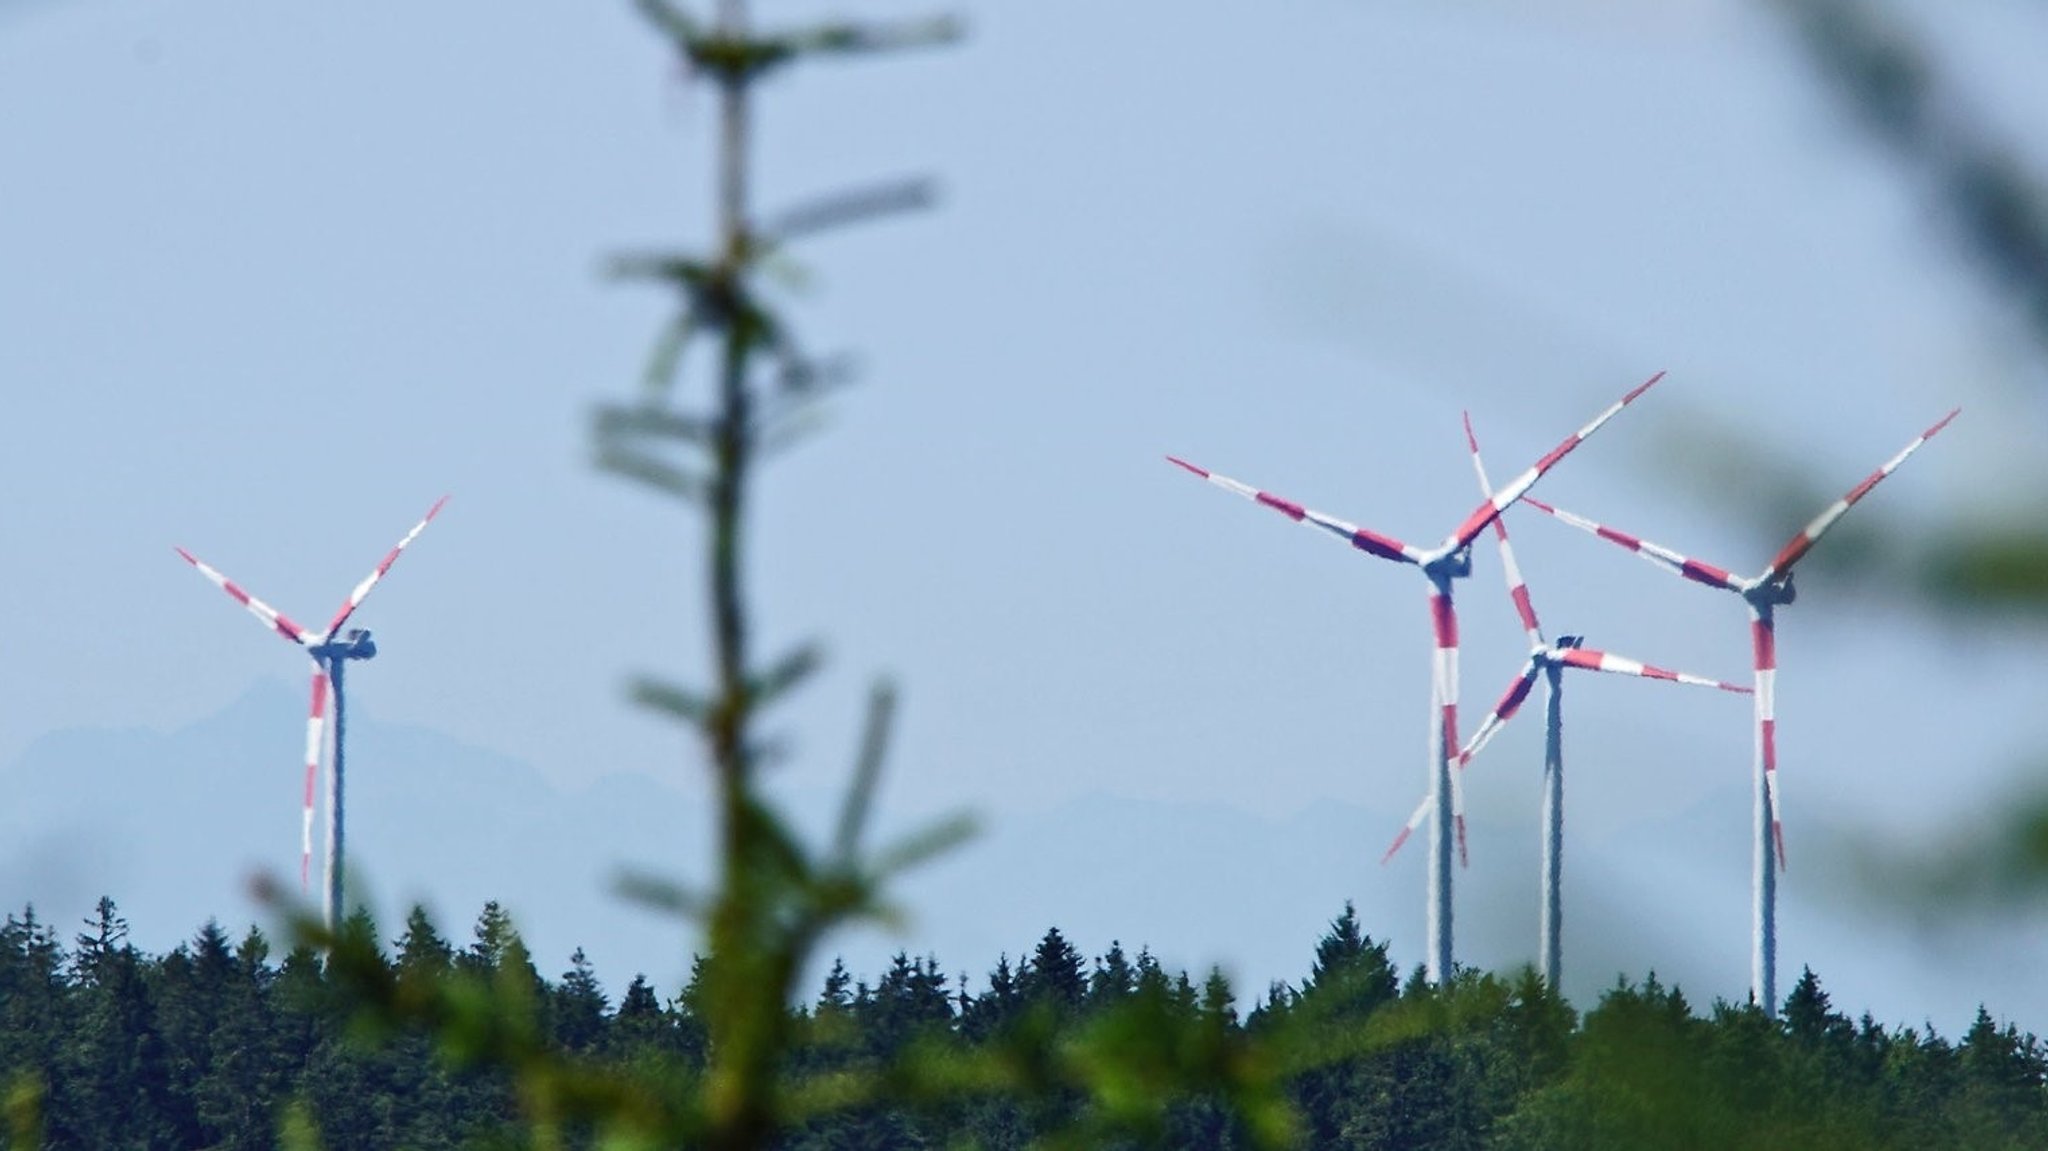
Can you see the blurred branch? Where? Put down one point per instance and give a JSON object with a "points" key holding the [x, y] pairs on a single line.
{"points": [[867, 770], [691, 707], [614, 422], [664, 360], [22, 1107], [636, 465], [768, 686], [663, 895], [774, 900], [1988, 570], [2000, 865], [1895, 90], [1984, 572], [731, 56], [1983, 569], [857, 205]]}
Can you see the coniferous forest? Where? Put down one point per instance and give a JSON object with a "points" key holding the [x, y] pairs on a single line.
{"points": [[223, 1043]]}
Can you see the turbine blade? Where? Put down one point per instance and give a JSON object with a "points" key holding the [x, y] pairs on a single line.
{"points": [[355, 598], [1385, 547], [1520, 485], [271, 617], [1658, 555], [316, 749], [1592, 660], [1518, 588], [1511, 701], [1804, 541], [1414, 821], [1422, 813]]}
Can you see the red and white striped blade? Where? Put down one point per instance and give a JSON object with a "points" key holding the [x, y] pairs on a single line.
{"points": [[1804, 541], [1414, 821], [1682, 565], [1422, 813], [316, 750], [1511, 701], [1592, 660], [1518, 588], [271, 617], [1386, 547], [1501, 500], [1443, 617], [355, 598]]}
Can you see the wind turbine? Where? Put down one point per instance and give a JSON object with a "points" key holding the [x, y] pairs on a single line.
{"points": [[330, 649], [1440, 565], [1548, 660], [1764, 593]]}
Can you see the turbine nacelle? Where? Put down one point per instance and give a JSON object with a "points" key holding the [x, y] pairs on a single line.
{"points": [[1455, 562], [1452, 561], [354, 644], [1768, 593]]}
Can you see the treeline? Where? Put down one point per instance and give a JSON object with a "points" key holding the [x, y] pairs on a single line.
{"points": [[217, 1044]]}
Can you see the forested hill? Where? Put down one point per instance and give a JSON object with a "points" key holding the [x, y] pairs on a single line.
{"points": [[216, 1043]]}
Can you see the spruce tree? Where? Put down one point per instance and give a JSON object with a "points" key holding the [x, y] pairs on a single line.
{"points": [[1113, 980], [115, 1056], [192, 988], [580, 1006], [1810, 1018], [36, 1017], [835, 998], [1055, 974], [1219, 1003], [642, 1028], [246, 1080], [2002, 1079], [422, 952], [1351, 976], [494, 934], [995, 1008]]}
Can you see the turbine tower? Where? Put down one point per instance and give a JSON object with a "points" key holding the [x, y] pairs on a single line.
{"points": [[1763, 593], [330, 649], [1440, 565], [1548, 660]]}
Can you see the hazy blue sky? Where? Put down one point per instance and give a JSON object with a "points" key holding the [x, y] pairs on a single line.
{"points": [[273, 278]]}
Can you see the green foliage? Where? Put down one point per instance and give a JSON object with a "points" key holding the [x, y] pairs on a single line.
{"points": [[358, 1053], [1892, 83]]}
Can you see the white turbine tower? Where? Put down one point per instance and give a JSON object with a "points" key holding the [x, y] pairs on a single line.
{"points": [[330, 649]]}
